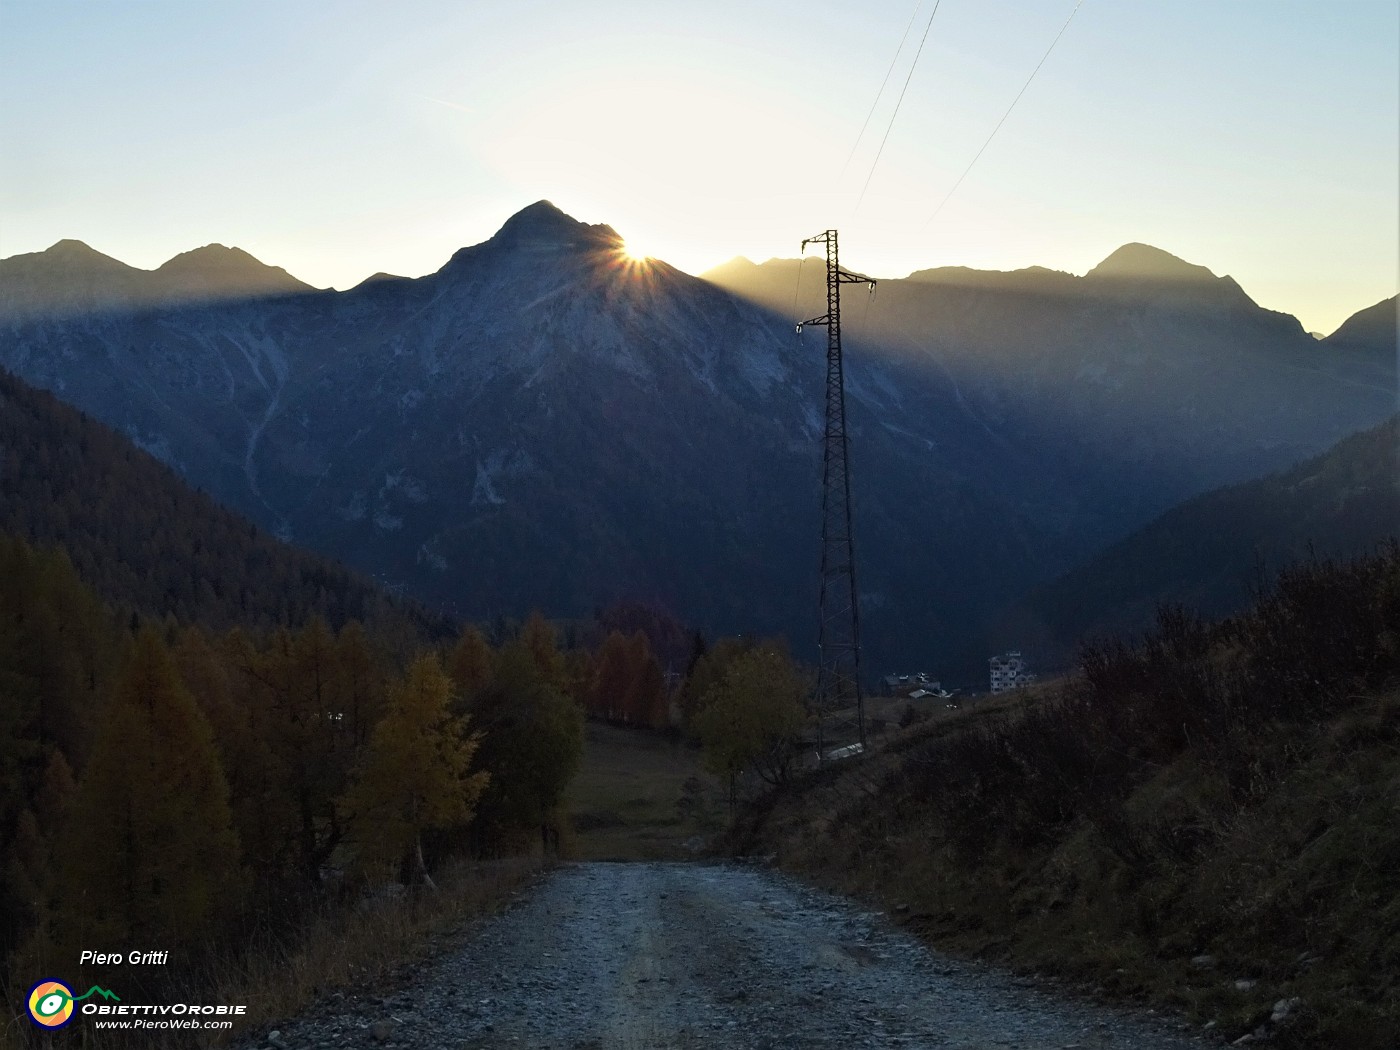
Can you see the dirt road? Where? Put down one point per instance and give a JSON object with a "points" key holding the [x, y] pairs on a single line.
{"points": [[656, 956]]}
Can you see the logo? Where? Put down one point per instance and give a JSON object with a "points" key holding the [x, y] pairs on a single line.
{"points": [[51, 1002]]}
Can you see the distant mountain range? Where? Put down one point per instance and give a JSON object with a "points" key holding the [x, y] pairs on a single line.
{"points": [[1211, 551], [70, 279], [545, 423]]}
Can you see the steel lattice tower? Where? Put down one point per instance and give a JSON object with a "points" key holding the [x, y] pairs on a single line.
{"points": [[838, 680]]}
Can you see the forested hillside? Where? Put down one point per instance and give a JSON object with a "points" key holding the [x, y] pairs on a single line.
{"points": [[165, 785], [548, 423], [141, 537], [1212, 551]]}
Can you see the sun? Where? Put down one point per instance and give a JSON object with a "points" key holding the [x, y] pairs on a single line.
{"points": [[636, 253]]}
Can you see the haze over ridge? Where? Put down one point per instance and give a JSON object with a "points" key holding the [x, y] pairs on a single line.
{"points": [[547, 422]]}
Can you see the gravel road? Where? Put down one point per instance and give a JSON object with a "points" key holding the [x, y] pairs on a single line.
{"points": [[654, 956]]}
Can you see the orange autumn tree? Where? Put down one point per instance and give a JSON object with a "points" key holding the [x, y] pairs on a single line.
{"points": [[470, 663]]}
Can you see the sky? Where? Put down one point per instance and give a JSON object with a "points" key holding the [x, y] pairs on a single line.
{"points": [[339, 138]]}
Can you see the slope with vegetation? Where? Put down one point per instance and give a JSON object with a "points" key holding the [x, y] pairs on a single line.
{"points": [[1206, 820], [141, 537], [544, 424], [1210, 552], [230, 796]]}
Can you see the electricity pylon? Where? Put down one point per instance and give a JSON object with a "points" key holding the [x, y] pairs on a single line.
{"points": [[838, 678]]}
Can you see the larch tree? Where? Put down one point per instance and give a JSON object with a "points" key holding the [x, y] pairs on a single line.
{"points": [[470, 663], [646, 689], [612, 679], [538, 637], [533, 745], [149, 854], [752, 717], [415, 775], [359, 684], [33, 860]]}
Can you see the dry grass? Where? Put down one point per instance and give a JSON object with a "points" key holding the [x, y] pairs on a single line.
{"points": [[370, 945], [1292, 893], [640, 796], [374, 945], [1227, 791]]}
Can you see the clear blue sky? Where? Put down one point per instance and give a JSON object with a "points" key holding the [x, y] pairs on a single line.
{"points": [[338, 138]]}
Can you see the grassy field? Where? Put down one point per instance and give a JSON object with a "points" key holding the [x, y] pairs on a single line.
{"points": [[640, 796]]}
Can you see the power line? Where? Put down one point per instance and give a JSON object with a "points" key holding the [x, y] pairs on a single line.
{"points": [[1077, 6], [798, 287], [899, 103], [883, 83]]}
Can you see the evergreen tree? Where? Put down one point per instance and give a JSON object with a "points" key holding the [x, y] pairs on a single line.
{"points": [[293, 697]]}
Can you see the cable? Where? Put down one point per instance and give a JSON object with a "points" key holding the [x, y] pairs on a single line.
{"points": [[899, 103], [798, 287], [1077, 6], [880, 93]]}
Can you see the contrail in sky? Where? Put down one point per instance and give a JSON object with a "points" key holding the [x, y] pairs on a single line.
{"points": [[449, 105]]}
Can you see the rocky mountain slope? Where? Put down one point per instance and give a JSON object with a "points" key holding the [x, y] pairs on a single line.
{"points": [[143, 540], [1147, 370], [545, 423]]}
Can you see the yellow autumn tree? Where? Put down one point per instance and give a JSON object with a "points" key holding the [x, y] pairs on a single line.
{"points": [[414, 777], [538, 637], [752, 717]]}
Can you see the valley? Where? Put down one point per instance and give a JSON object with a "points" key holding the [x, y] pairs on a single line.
{"points": [[545, 424]]}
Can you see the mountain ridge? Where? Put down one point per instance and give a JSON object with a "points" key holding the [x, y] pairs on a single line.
{"points": [[71, 277], [545, 422], [1374, 328]]}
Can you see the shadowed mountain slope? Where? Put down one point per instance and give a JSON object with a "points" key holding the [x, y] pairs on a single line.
{"points": [[1212, 551], [1373, 328], [545, 423], [71, 279], [144, 540]]}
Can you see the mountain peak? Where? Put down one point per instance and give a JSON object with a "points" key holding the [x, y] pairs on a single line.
{"points": [[68, 254], [220, 271], [69, 246], [1376, 327], [210, 255], [1143, 262], [542, 225]]}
